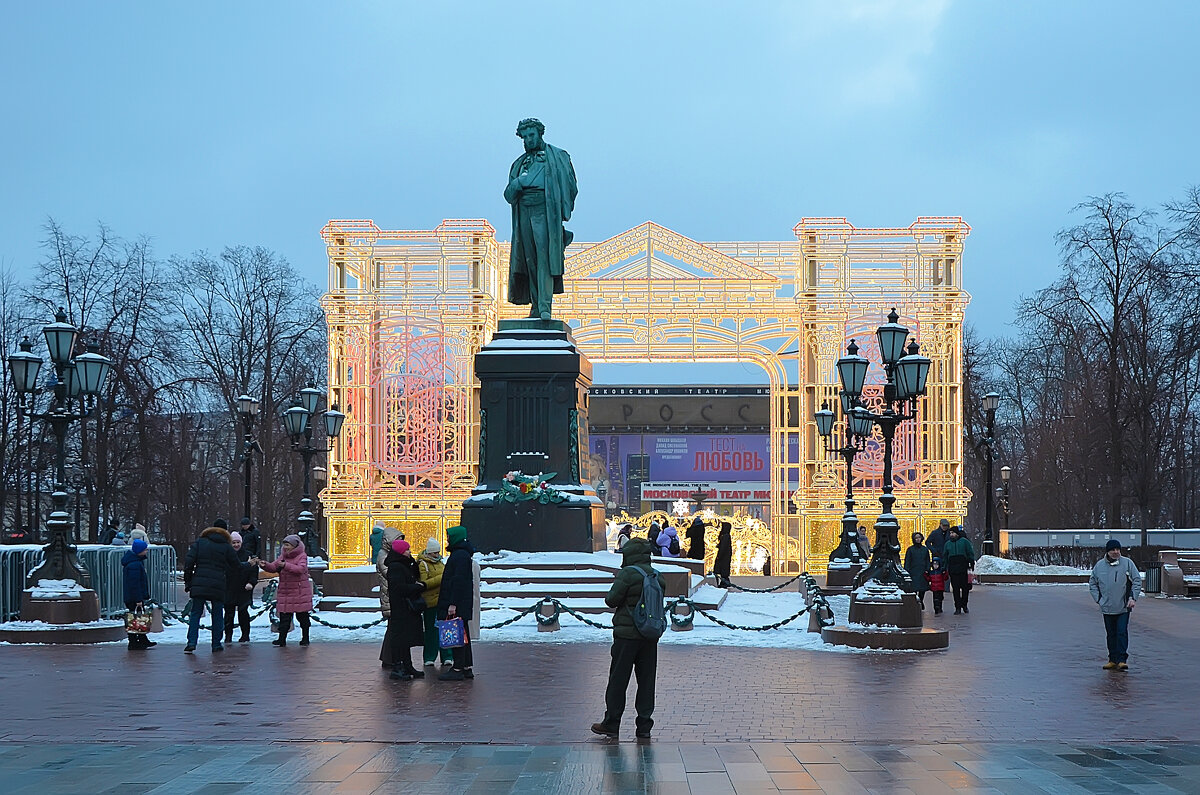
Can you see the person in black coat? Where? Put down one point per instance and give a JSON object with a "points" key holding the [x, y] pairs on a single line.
{"points": [[239, 589], [404, 622], [938, 538], [110, 532], [457, 597], [723, 563], [209, 564], [135, 581], [250, 540], [695, 537]]}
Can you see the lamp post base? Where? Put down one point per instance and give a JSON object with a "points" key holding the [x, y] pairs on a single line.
{"points": [[884, 616], [60, 561]]}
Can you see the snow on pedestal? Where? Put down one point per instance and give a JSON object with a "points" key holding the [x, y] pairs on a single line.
{"points": [[56, 589]]}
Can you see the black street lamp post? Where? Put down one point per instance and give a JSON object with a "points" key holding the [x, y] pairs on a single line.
{"points": [[991, 402], [78, 381], [247, 409], [907, 373], [1002, 494], [297, 421], [854, 436]]}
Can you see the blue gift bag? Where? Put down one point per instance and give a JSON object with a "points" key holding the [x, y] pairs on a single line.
{"points": [[451, 633]]}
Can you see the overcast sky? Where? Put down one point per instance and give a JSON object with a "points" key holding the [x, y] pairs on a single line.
{"points": [[207, 124]]}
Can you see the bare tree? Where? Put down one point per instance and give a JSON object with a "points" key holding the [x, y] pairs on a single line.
{"points": [[250, 324], [114, 291]]}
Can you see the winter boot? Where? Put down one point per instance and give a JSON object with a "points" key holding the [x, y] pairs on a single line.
{"points": [[145, 641], [133, 641], [281, 640], [398, 672], [304, 636], [412, 671]]}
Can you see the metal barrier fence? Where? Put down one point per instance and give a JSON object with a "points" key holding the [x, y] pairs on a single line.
{"points": [[15, 564], [102, 562]]}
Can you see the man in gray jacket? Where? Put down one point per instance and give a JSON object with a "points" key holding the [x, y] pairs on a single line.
{"points": [[1116, 585]]}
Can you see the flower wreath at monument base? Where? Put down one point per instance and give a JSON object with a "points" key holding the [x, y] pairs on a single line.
{"points": [[519, 487]]}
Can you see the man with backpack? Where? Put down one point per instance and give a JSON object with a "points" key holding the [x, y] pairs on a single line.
{"points": [[639, 621]]}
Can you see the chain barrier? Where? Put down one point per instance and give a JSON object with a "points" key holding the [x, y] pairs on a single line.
{"points": [[824, 611], [519, 615], [368, 625], [682, 621], [580, 617], [737, 587], [764, 628], [182, 619]]}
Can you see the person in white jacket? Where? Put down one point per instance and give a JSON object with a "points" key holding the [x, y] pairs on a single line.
{"points": [[1116, 585]]}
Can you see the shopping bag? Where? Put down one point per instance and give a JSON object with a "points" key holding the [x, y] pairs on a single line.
{"points": [[137, 622], [451, 633]]}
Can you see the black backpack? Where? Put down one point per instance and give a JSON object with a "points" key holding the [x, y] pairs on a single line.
{"points": [[650, 614], [674, 545]]}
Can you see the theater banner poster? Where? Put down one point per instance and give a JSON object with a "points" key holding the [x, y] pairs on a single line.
{"points": [[666, 467]]}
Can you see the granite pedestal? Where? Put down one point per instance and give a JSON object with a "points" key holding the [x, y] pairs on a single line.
{"points": [[534, 385]]}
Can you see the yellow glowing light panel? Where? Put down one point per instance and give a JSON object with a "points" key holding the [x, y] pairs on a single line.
{"points": [[408, 310]]}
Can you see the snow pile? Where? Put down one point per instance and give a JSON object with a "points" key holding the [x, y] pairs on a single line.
{"points": [[37, 626], [55, 589], [993, 565]]}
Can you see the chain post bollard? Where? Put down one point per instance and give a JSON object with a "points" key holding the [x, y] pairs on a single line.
{"points": [[682, 615], [814, 620], [547, 615]]}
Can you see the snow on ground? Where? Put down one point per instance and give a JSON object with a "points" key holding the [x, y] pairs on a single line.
{"points": [[745, 609], [38, 626], [993, 565], [565, 560]]}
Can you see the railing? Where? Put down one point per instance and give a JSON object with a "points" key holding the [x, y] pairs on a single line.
{"points": [[104, 565]]}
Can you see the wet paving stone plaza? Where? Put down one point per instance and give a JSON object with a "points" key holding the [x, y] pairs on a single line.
{"points": [[1017, 704]]}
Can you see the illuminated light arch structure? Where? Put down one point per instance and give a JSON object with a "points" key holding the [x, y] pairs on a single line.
{"points": [[408, 310]]}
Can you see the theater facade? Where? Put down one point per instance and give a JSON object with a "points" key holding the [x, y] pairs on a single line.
{"points": [[407, 311]]}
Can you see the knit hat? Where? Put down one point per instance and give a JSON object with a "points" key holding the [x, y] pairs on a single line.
{"points": [[432, 546], [122, 535], [139, 546], [235, 536], [246, 520], [1112, 544], [399, 546], [293, 539], [221, 523], [456, 534], [938, 561]]}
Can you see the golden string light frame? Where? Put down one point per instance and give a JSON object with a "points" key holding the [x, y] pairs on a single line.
{"points": [[408, 310]]}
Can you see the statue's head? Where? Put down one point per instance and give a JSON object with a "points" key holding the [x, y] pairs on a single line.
{"points": [[531, 131]]}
